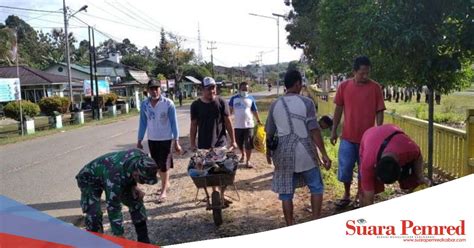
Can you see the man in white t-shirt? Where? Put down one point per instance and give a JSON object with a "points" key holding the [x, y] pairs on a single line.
{"points": [[244, 109]]}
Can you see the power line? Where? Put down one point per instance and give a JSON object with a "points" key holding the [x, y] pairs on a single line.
{"points": [[99, 31], [189, 39], [115, 16], [138, 13], [38, 19], [116, 22], [43, 27], [103, 10], [130, 16], [145, 14], [33, 10]]}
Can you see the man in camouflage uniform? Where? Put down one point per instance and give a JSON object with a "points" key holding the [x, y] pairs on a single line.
{"points": [[117, 174]]}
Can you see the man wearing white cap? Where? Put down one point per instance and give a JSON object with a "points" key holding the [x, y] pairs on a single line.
{"points": [[210, 119]]}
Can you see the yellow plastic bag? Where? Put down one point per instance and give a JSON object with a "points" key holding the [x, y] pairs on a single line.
{"points": [[259, 139]]}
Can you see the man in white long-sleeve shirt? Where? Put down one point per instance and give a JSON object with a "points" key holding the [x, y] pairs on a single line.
{"points": [[158, 118]]}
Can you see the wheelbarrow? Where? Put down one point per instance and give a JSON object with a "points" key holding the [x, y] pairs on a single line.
{"points": [[215, 201]]}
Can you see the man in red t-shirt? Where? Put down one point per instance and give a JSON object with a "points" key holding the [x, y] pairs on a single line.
{"points": [[388, 155], [361, 101]]}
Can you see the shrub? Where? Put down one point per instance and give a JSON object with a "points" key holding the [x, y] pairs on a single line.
{"points": [[30, 110], [110, 99], [105, 99], [49, 105]]}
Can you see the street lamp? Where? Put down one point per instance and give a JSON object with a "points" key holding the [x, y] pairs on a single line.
{"points": [[277, 19], [68, 56]]}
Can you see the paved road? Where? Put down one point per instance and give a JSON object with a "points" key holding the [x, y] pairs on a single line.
{"points": [[40, 172]]}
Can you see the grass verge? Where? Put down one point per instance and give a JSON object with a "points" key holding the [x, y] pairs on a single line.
{"points": [[106, 120]]}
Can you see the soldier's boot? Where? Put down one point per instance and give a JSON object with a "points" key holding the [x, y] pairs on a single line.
{"points": [[142, 232], [94, 223]]}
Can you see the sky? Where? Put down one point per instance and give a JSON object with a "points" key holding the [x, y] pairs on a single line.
{"points": [[239, 36]]}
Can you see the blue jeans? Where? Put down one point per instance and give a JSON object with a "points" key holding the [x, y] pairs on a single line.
{"points": [[313, 180], [347, 158]]}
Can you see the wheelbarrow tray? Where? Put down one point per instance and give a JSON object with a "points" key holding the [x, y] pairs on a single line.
{"points": [[214, 180]]}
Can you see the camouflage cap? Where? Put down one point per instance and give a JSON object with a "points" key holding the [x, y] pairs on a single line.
{"points": [[147, 169]]}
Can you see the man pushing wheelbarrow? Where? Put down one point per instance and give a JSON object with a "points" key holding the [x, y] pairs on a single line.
{"points": [[210, 120]]}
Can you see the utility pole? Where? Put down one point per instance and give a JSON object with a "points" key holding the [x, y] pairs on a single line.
{"points": [[91, 50], [241, 73], [68, 58], [212, 48], [277, 19], [95, 77], [278, 44], [260, 61], [200, 44]]}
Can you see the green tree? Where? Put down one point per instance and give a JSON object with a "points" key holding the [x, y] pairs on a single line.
{"points": [[138, 61], [197, 71], [106, 47], [127, 48], [27, 41], [7, 42], [179, 55], [163, 57], [294, 65], [53, 47], [411, 43], [433, 45], [81, 54], [160, 77]]}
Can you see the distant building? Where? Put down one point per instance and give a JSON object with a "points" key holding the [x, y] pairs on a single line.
{"points": [[36, 84], [124, 80]]}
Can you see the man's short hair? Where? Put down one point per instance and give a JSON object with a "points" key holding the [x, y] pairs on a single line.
{"points": [[387, 170], [326, 119], [291, 77], [360, 61], [242, 84]]}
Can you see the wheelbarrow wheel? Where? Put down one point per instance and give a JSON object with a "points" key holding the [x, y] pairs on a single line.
{"points": [[216, 208]]}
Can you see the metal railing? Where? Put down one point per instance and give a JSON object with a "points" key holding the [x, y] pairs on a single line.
{"points": [[453, 148]]}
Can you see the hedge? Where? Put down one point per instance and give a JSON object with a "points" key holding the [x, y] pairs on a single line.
{"points": [[49, 105], [30, 110]]}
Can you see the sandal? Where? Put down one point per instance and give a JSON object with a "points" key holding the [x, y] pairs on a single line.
{"points": [[242, 160], [342, 203]]}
